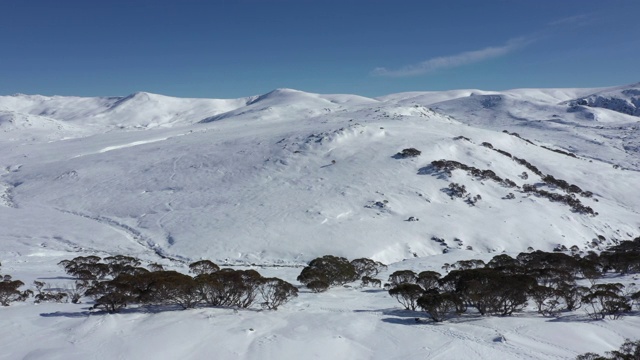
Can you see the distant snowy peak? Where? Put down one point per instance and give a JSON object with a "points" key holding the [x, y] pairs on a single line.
{"points": [[624, 100], [283, 103], [284, 95], [140, 110]]}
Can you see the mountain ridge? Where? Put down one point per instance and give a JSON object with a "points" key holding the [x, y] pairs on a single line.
{"points": [[294, 175]]}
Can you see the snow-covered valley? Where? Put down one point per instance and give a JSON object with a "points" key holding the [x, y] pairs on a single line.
{"points": [[271, 182]]}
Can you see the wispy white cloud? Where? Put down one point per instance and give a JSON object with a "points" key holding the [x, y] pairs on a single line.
{"points": [[446, 62], [580, 19]]}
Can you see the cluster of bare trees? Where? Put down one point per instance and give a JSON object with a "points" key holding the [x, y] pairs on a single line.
{"points": [[505, 284]]}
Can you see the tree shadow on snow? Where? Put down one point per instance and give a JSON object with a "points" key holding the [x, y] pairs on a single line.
{"points": [[406, 321], [398, 316], [433, 171], [429, 170], [374, 291], [57, 278], [67, 314], [584, 318]]}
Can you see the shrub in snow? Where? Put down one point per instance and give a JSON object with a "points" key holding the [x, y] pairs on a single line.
{"points": [[112, 295], [402, 277], [203, 267], [456, 190], [85, 268], [275, 292], [428, 279], [407, 294], [229, 288], [46, 295], [571, 200], [121, 264], [623, 258], [571, 295], [469, 264], [369, 281], [505, 264], [529, 166], [604, 300], [546, 298], [504, 153], [10, 291], [211, 287], [318, 286], [367, 267], [409, 152], [439, 306], [330, 269], [488, 290]]}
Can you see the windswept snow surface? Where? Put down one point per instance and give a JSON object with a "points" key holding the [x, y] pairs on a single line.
{"points": [[282, 178]]}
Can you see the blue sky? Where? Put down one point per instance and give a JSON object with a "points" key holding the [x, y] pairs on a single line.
{"points": [[228, 49]]}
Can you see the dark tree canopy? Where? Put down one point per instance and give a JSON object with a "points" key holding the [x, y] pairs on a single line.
{"points": [[330, 269], [203, 267]]}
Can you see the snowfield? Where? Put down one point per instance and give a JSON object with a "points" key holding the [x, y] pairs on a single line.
{"points": [[271, 182]]}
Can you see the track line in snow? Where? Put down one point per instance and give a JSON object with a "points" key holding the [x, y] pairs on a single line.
{"points": [[131, 233]]}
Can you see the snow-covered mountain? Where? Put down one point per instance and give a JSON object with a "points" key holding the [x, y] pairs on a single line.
{"points": [[58, 117], [289, 175], [624, 99], [284, 177]]}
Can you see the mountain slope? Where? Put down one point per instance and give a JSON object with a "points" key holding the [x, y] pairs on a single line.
{"points": [[267, 183], [623, 99], [90, 115], [291, 176]]}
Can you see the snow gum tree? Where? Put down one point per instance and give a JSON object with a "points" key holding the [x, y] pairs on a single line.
{"points": [[330, 269]]}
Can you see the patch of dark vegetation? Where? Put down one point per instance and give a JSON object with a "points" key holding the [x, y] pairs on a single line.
{"points": [[528, 165], [456, 190], [327, 271], [572, 201], [505, 285], [447, 166], [120, 281], [549, 179], [10, 290], [504, 153], [568, 188], [518, 136], [629, 350], [408, 153], [378, 205], [560, 151]]}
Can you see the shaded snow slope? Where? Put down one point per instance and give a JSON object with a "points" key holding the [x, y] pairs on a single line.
{"points": [[624, 99], [547, 117]]}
